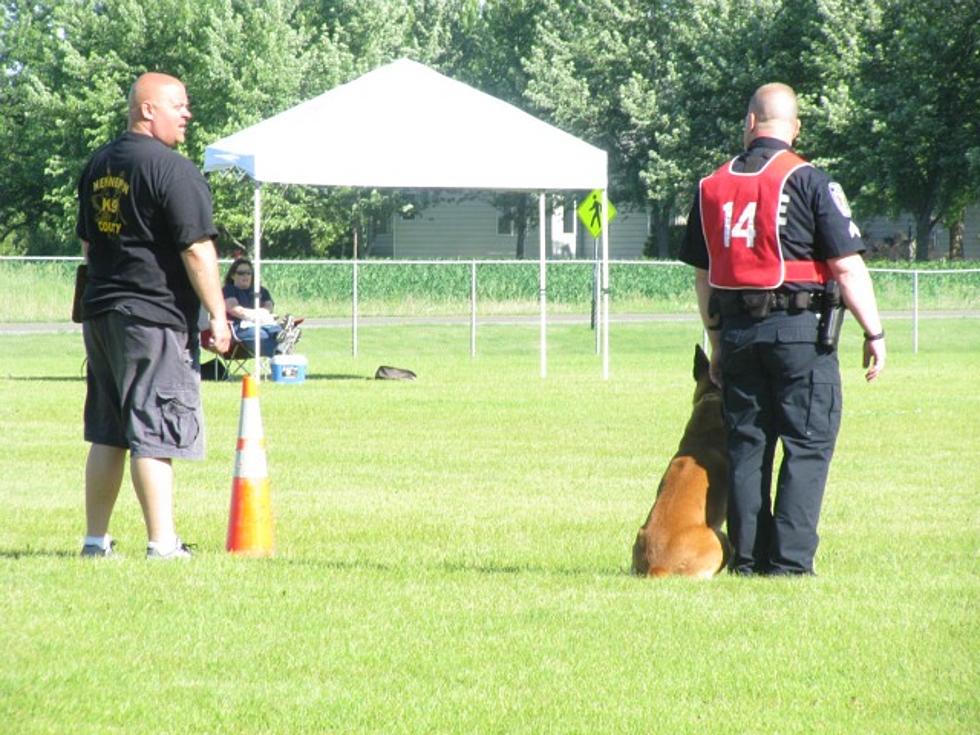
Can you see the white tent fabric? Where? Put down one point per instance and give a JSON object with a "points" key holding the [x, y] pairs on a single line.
{"points": [[404, 125]]}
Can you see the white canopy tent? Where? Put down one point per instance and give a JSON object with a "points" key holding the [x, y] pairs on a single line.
{"points": [[404, 125]]}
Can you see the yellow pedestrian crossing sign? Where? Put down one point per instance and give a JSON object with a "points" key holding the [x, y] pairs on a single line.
{"points": [[590, 212]]}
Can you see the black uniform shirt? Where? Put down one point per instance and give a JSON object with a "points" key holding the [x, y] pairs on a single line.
{"points": [[140, 204], [818, 220]]}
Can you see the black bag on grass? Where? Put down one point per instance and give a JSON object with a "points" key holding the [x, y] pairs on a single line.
{"points": [[386, 372]]}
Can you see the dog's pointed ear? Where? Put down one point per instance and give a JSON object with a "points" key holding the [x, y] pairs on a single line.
{"points": [[701, 363]]}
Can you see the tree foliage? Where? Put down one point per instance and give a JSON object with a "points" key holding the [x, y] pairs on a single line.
{"points": [[889, 92], [918, 121]]}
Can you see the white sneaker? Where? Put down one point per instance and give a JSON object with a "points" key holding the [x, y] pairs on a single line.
{"points": [[94, 551], [179, 551]]}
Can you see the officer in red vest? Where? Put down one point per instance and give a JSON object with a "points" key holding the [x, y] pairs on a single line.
{"points": [[775, 251]]}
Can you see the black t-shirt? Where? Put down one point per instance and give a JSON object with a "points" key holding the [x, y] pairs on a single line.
{"points": [[818, 219], [140, 204]]}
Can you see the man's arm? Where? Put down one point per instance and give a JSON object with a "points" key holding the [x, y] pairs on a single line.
{"points": [[201, 262], [858, 293], [703, 290]]}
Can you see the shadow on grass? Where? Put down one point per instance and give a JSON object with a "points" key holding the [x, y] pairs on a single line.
{"points": [[469, 567], [310, 377], [337, 376], [380, 567], [46, 378], [488, 568], [36, 554], [237, 380]]}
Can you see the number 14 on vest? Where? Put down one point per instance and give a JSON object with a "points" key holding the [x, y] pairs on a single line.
{"points": [[744, 226]]}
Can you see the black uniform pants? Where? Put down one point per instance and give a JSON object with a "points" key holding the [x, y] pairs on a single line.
{"points": [[780, 386]]}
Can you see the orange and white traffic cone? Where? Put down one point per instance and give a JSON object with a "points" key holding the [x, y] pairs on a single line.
{"points": [[250, 527]]}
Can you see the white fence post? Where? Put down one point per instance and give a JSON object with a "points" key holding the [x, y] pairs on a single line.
{"points": [[354, 304], [596, 308], [542, 287], [915, 311], [257, 276], [605, 285], [473, 308]]}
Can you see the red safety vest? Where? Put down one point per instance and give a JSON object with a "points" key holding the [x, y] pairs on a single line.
{"points": [[740, 219]]}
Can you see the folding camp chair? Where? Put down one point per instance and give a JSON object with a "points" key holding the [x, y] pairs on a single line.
{"points": [[235, 360]]}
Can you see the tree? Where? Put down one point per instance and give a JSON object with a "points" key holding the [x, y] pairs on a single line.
{"points": [[351, 38], [492, 38], [45, 132], [70, 64], [259, 59], [919, 122], [660, 85], [888, 93], [710, 57]]}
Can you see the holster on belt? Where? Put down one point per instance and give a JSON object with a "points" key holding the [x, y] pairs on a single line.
{"points": [[831, 316]]}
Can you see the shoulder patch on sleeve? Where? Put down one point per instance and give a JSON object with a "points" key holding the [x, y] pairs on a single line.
{"points": [[839, 198]]}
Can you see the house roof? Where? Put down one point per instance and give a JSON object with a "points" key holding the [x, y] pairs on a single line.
{"points": [[404, 125]]}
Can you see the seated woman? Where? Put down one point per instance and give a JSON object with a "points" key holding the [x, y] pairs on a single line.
{"points": [[242, 312]]}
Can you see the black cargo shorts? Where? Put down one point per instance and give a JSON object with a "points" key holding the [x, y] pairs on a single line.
{"points": [[143, 392]]}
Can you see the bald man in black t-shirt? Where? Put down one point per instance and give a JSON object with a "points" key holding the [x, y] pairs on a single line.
{"points": [[145, 221], [766, 234]]}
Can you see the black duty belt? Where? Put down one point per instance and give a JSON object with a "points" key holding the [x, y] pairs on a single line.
{"points": [[759, 303]]}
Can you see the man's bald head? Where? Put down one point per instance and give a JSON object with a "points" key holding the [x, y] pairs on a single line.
{"points": [[158, 107], [773, 113]]}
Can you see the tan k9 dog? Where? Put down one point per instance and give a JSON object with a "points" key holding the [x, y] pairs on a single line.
{"points": [[682, 535]]}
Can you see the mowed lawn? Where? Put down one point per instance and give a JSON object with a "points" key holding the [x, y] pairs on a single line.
{"points": [[452, 553]]}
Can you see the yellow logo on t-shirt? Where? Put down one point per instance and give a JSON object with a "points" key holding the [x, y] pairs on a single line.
{"points": [[106, 199]]}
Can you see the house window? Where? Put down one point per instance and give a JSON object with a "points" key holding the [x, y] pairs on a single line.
{"points": [[505, 224]]}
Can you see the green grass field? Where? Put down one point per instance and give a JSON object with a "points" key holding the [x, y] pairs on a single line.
{"points": [[453, 553]]}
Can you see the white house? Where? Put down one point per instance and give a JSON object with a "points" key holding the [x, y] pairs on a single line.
{"points": [[472, 228], [889, 237]]}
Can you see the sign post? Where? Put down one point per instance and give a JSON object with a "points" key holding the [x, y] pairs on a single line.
{"points": [[596, 218]]}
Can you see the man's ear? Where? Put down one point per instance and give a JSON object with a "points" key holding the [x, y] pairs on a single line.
{"points": [[748, 131], [796, 128], [146, 110]]}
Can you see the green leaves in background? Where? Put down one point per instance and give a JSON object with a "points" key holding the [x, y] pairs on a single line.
{"points": [[887, 90]]}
